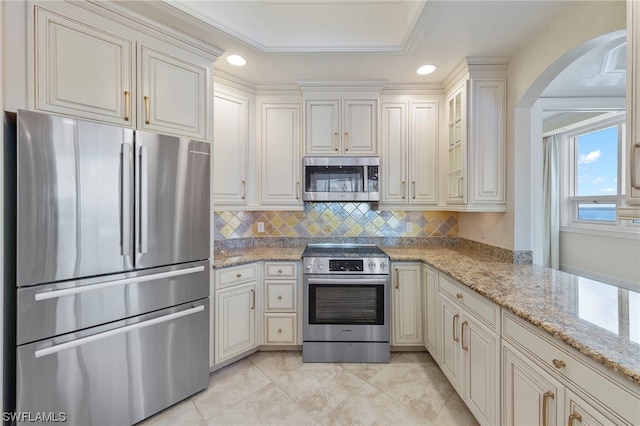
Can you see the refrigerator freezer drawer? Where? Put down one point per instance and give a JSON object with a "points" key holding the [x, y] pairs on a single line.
{"points": [[50, 310], [119, 373]]}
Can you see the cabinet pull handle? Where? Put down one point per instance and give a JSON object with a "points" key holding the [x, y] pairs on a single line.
{"points": [[635, 184], [335, 139], [127, 105], [413, 189], [459, 295], [545, 397], [297, 190], [397, 278], [253, 299], [146, 110], [403, 190], [244, 189], [574, 416], [558, 363], [455, 319], [460, 187], [466, 348], [346, 141]]}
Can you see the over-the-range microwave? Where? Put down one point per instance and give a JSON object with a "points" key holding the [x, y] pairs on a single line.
{"points": [[341, 179]]}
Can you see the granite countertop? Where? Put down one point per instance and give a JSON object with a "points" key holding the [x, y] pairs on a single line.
{"points": [[565, 306]]}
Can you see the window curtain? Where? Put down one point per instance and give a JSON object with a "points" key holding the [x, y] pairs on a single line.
{"points": [[551, 182]]}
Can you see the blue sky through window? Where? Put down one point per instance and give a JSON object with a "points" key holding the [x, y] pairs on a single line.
{"points": [[597, 163]]}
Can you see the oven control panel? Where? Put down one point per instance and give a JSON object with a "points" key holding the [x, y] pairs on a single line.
{"points": [[327, 265]]}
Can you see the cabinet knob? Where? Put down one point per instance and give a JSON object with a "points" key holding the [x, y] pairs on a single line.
{"points": [[238, 275], [558, 363], [459, 295], [279, 297], [279, 271], [279, 331]]}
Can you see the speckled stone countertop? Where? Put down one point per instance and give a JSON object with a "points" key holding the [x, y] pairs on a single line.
{"points": [[557, 302]]}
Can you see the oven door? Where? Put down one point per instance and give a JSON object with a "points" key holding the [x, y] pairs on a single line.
{"points": [[346, 308]]}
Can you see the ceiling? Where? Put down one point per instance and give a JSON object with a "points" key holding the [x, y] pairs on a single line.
{"points": [[288, 41]]}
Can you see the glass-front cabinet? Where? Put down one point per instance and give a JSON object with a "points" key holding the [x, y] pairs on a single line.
{"points": [[456, 186]]}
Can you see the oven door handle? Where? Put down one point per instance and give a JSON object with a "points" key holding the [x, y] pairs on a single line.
{"points": [[348, 281]]}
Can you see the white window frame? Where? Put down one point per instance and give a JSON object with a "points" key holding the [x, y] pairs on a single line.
{"points": [[569, 202]]}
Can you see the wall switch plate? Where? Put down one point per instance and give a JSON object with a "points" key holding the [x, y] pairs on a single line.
{"points": [[409, 227], [260, 226]]}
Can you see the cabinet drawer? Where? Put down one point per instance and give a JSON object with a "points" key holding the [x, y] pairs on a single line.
{"points": [[280, 296], [280, 270], [236, 275], [280, 329], [589, 377], [487, 312]]}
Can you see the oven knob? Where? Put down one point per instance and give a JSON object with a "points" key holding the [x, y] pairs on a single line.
{"points": [[320, 266], [383, 265], [309, 266], [372, 265]]}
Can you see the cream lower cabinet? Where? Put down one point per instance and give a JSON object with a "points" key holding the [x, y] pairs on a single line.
{"points": [[236, 314], [406, 300], [470, 348], [280, 303], [90, 66], [430, 310], [545, 383]]}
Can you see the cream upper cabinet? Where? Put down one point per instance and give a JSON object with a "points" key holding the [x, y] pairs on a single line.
{"points": [[476, 105], [118, 72], [339, 126], [173, 91], [279, 152], [83, 70], [409, 153], [230, 139], [406, 299], [631, 210]]}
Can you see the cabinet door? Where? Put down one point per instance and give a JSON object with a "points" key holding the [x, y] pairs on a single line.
{"points": [[173, 91], [423, 154], [229, 150], [235, 320], [360, 127], [322, 127], [430, 307], [487, 142], [279, 152], [407, 309], [449, 346], [531, 397], [481, 366], [81, 70], [394, 153], [580, 412], [457, 141]]}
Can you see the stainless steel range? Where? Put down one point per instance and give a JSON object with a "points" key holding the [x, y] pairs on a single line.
{"points": [[346, 303]]}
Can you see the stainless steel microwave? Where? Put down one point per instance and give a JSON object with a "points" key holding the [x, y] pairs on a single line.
{"points": [[341, 179]]}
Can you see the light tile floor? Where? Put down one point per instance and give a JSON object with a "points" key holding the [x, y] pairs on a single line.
{"points": [[277, 388]]}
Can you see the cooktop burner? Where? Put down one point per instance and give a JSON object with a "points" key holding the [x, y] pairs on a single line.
{"points": [[343, 250]]}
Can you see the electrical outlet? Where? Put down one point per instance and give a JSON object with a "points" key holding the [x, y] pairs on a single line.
{"points": [[409, 227], [260, 226]]}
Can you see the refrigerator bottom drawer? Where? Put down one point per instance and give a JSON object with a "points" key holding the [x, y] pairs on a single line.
{"points": [[116, 374]]}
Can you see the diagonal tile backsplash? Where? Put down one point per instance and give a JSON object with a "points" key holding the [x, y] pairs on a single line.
{"points": [[335, 220]]}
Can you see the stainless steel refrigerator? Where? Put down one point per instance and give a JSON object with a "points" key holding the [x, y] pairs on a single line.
{"points": [[112, 270]]}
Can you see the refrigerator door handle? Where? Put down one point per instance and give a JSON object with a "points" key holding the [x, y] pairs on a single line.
{"points": [[82, 341], [144, 200], [45, 295], [125, 209]]}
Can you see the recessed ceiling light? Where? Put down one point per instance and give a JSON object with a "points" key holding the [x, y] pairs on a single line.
{"points": [[426, 69], [236, 60]]}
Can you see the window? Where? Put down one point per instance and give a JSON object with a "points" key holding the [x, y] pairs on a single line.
{"points": [[593, 182]]}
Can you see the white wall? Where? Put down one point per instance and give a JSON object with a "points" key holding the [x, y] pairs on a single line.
{"points": [[531, 69], [605, 258]]}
